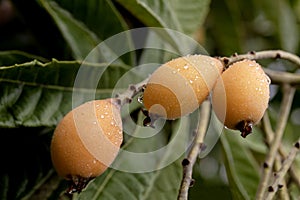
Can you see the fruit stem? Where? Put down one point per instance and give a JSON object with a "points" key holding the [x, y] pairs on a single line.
{"points": [[245, 127], [132, 91]]}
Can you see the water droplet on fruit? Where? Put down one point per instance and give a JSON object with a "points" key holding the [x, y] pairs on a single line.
{"points": [[101, 116], [185, 66], [140, 99]]}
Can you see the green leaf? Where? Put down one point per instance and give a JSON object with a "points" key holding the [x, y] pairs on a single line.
{"points": [[256, 142], [158, 55], [8, 58], [242, 169], [288, 27], [284, 23], [161, 46], [97, 16], [130, 178], [178, 15], [224, 30], [79, 37], [191, 15], [39, 94]]}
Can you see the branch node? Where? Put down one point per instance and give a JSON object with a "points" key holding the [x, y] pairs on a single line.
{"points": [[119, 102], [278, 56], [297, 145], [252, 52], [225, 60], [185, 162], [270, 189], [132, 87], [202, 146], [192, 182], [128, 100]]}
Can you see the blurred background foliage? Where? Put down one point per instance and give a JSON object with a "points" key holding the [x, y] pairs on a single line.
{"points": [[42, 43]]}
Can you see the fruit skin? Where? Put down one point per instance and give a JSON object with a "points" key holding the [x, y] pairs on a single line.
{"points": [[86, 141], [241, 96], [179, 86]]}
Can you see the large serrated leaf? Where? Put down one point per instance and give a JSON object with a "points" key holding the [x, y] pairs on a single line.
{"points": [[161, 182], [242, 169], [39, 94]]}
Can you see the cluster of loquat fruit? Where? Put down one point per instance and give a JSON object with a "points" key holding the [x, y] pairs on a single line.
{"points": [[88, 138]]}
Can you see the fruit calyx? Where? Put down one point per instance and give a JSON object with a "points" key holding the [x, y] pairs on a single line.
{"points": [[77, 184], [150, 118], [245, 127]]}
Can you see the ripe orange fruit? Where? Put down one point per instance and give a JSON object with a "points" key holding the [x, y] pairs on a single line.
{"points": [[179, 86], [241, 96], [86, 141]]}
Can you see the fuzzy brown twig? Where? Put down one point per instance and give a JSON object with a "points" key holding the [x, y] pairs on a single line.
{"points": [[197, 147], [273, 54], [269, 134], [279, 176], [132, 91], [288, 95]]}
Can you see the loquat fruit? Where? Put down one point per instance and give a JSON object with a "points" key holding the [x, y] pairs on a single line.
{"points": [[241, 96], [86, 141], [179, 86]]}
